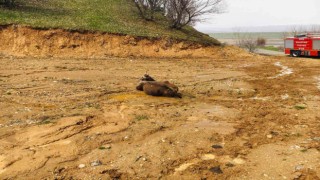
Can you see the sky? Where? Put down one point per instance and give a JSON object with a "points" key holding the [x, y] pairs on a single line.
{"points": [[267, 13]]}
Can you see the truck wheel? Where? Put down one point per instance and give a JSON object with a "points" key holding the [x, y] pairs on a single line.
{"points": [[295, 53]]}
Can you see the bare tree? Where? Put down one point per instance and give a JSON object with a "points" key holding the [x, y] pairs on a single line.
{"points": [[186, 12], [246, 41], [147, 8]]}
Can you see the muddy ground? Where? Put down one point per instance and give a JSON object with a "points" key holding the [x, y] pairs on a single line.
{"points": [[240, 118]]}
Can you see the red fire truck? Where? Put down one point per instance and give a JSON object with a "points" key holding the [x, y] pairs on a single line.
{"points": [[303, 45]]}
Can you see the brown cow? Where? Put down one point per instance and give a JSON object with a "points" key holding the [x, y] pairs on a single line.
{"points": [[155, 88]]}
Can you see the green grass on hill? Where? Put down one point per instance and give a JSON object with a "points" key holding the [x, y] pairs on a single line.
{"points": [[112, 16]]}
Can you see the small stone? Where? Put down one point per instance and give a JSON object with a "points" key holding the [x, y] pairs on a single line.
{"points": [[138, 158], [285, 96], [230, 165], [297, 175], [216, 170], [108, 146], [316, 138], [208, 157], [269, 136], [299, 167], [126, 138], [217, 146], [82, 166], [238, 161], [96, 163], [294, 147], [265, 175]]}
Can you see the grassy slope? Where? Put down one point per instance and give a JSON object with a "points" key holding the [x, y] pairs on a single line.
{"points": [[112, 16]]}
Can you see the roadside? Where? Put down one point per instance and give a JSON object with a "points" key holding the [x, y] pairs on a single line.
{"points": [[269, 52]]}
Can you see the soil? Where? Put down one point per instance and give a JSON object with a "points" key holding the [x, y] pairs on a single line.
{"points": [[21, 41], [241, 116]]}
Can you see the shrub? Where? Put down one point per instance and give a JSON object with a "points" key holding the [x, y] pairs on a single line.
{"points": [[261, 41]]}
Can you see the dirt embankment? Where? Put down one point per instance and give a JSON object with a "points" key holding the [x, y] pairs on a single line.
{"points": [[22, 41]]}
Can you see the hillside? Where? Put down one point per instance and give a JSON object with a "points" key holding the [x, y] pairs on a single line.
{"points": [[111, 16]]}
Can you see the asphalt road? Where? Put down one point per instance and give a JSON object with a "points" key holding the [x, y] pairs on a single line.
{"points": [[271, 53]]}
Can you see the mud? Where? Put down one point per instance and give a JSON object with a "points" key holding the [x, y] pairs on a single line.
{"points": [[59, 116]]}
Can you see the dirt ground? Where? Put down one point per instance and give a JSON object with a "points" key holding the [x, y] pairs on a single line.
{"points": [[239, 118]]}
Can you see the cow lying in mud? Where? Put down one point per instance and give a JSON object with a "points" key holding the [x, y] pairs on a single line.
{"points": [[156, 88]]}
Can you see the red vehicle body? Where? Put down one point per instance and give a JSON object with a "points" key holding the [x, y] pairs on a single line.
{"points": [[303, 45]]}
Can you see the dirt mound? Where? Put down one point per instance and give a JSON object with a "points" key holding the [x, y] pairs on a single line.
{"points": [[22, 41]]}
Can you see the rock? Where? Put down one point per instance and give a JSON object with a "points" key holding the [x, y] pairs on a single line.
{"points": [[316, 138], [285, 96], [208, 157], [96, 163], [217, 146], [183, 167], [216, 170], [294, 147], [299, 167], [82, 166], [230, 165], [107, 146], [238, 161], [138, 158], [269, 136]]}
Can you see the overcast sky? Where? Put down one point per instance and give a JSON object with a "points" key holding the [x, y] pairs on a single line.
{"points": [[247, 13]]}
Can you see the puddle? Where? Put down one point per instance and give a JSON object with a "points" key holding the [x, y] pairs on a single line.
{"points": [[285, 70], [124, 97], [219, 127]]}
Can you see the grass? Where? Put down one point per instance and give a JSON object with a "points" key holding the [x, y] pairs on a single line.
{"points": [[111, 16], [270, 48], [141, 117], [300, 106]]}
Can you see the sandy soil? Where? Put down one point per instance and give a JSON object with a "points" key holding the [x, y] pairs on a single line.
{"points": [[239, 118]]}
